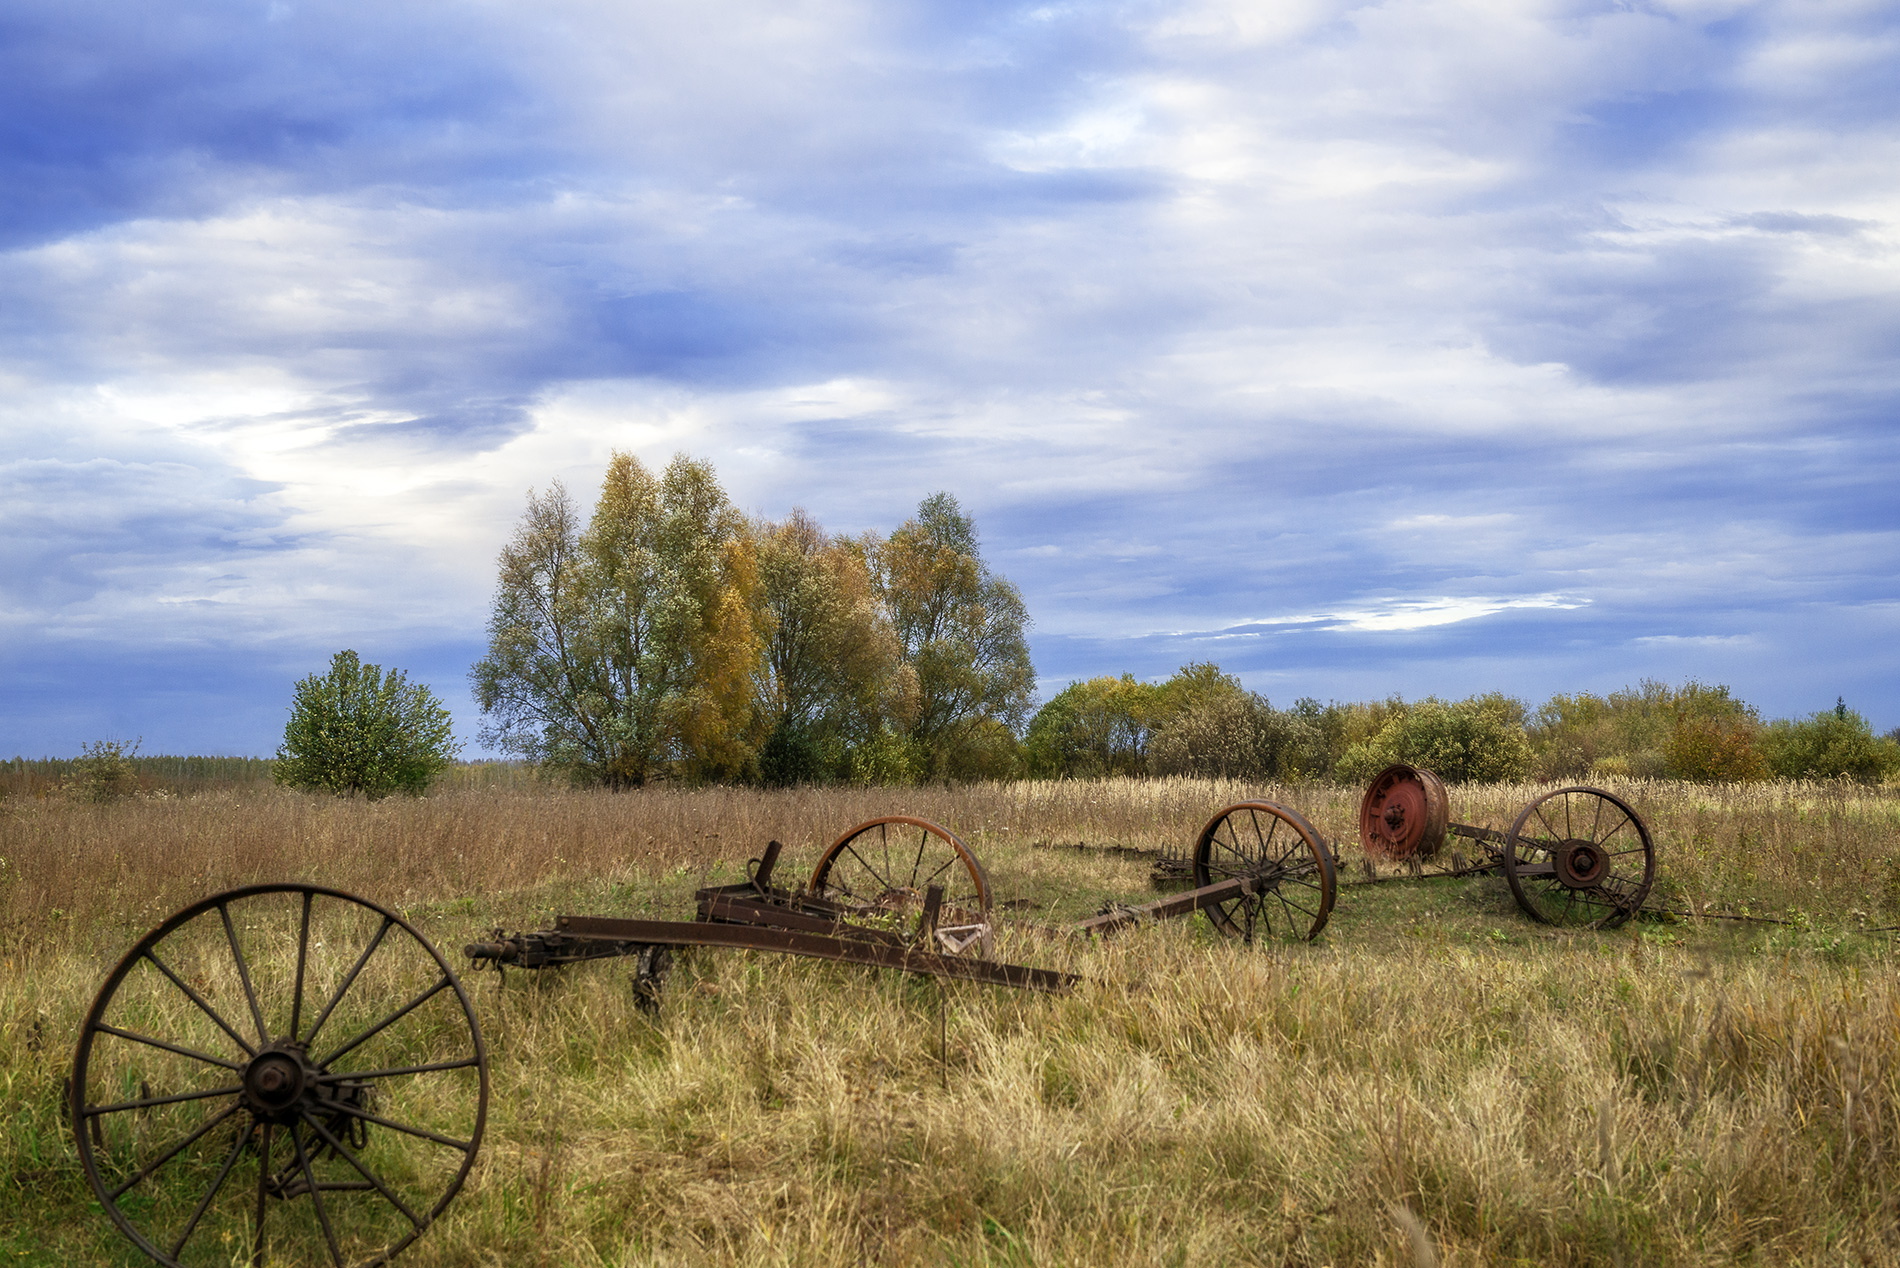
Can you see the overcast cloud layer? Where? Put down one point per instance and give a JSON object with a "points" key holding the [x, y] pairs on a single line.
{"points": [[1405, 347]]}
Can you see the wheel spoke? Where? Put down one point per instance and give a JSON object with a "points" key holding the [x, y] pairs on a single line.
{"points": [[119, 1107], [303, 955], [204, 1203], [394, 1072], [441, 984], [876, 875], [349, 980], [168, 1047], [174, 1151], [1234, 849], [204, 1006], [244, 973], [343, 1152], [1288, 902], [263, 1192], [923, 838], [316, 1196], [355, 1111]]}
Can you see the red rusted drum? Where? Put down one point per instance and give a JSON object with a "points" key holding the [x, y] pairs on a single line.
{"points": [[1405, 814]]}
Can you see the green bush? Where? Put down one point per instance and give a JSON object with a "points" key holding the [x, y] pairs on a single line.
{"points": [[1835, 743], [1479, 740], [107, 770], [790, 757], [1713, 737], [356, 729]]}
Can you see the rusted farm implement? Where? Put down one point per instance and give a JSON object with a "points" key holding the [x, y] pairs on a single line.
{"points": [[1574, 856], [297, 1064], [291, 1063]]}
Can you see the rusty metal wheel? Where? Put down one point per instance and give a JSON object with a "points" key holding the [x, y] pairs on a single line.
{"points": [[1267, 842], [879, 872], [1404, 814], [1581, 857], [279, 1073]]}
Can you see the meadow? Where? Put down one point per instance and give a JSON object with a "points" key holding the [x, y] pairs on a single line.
{"points": [[1435, 1080]]}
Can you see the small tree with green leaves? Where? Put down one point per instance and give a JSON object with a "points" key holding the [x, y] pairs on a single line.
{"points": [[356, 729], [105, 771]]}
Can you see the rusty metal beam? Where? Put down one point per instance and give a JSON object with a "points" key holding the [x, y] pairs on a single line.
{"points": [[1181, 904], [851, 949]]}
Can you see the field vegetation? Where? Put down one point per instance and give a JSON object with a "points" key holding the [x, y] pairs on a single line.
{"points": [[1435, 1080]]}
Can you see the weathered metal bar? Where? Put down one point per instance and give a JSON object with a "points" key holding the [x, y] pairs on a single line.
{"points": [[739, 909], [850, 949], [1469, 832], [1181, 904]]}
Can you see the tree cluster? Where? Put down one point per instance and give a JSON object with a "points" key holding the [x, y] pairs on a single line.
{"points": [[670, 636], [1203, 722]]}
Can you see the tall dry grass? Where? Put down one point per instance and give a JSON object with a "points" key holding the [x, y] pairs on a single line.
{"points": [[1576, 1100], [1827, 851], [1463, 1087]]}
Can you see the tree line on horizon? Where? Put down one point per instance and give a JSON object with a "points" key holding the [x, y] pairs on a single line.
{"points": [[1203, 722]]}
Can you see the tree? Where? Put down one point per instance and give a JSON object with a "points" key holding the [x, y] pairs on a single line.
{"points": [[833, 677], [356, 729], [960, 628], [634, 646]]}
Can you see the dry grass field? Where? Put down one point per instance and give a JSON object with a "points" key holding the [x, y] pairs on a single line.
{"points": [[1436, 1080]]}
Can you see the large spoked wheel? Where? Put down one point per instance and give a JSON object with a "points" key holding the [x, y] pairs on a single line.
{"points": [[879, 871], [279, 1073], [1277, 849], [1580, 857]]}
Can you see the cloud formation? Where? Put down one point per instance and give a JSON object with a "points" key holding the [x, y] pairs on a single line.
{"points": [[1541, 347]]}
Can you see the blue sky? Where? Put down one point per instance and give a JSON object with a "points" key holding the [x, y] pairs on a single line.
{"points": [[1424, 348]]}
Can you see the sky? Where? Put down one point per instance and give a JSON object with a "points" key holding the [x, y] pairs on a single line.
{"points": [[1360, 348]]}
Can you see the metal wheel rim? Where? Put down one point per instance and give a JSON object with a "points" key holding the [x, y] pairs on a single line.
{"points": [[871, 856], [1422, 801], [1531, 865], [1270, 838], [87, 1119]]}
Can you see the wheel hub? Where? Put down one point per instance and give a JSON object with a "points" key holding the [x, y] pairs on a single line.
{"points": [[1580, 864], [275, 1081]]}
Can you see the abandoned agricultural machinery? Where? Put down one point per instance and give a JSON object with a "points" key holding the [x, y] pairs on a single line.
{"points": [[1574, 856], [290, 1065]]}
